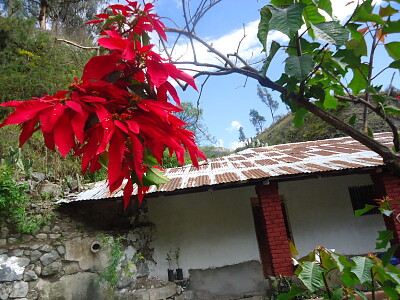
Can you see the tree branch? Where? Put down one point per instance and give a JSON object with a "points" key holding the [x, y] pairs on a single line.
{"points": [[76, 45], [377, 111]]}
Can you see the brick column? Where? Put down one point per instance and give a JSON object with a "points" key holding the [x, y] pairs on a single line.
{"points": [[389, 185], [275, 229]]}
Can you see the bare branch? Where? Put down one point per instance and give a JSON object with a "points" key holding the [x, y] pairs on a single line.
{"points": [[203, 42], [76, 45]]}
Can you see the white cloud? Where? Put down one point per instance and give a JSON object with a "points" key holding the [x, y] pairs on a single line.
{"points": [[235, 125], [236, 145], [250, 47]]}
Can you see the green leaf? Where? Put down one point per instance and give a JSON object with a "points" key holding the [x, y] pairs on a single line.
{"points": [[387, 256], [312, 15], [378, 99], [387, 11], [156, 176], [287, 20], [391, 292], [393, 49], [386, 212], [352, 121], [150, 160], [395, 64], [359, 81], [392, 110], [362, 269], [116, 18], [294, 291], [348, 57], [330, 101], [354, 31], [391, 27], [383, 240], [299, 66], [337, 294], [272, 51], [362, 295], [358, 45], [325, 5], [366, 208], [263, 26], [311, 275], [298, 119], [281, 2], [349, 278], [331, 32], [363, 13], [370, 132]]}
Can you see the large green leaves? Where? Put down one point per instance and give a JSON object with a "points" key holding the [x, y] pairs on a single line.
{"points": [[272, 51], [384, 238], [311, 275], [364, 13], [330, 101], [299, 66], [359, 81], [393, 49], [359, 46], [325, 5], [391, 27], [287, 20], [263, 26], [362, 269], [331, 32]]}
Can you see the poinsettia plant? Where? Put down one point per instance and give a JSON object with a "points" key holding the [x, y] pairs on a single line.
{"points": [[117, 115]]}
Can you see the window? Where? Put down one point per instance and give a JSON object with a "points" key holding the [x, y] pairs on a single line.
{"points": [[362, 195]]}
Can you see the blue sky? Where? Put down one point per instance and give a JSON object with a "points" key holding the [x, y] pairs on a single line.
{"points": [[226, 100]]}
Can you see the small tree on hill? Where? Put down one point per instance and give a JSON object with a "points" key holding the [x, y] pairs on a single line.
{"points": [[266, 98], [242, 136], [257, 120]]}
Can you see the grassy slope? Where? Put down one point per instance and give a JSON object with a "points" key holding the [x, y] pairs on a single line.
{"points": [[283, 131]]}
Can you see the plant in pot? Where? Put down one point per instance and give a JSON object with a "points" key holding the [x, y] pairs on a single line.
{"points": [[170, 271], [179, 272]]}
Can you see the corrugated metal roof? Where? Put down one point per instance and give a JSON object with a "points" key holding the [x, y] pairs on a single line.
{"points": [[267, 162]]}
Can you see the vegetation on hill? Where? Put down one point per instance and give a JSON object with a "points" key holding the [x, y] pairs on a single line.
{"points": [[283, 131]]}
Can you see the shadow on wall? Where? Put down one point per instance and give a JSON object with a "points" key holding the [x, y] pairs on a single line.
{"points": [[240, 280]]}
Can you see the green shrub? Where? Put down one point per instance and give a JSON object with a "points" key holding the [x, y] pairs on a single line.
{"points": [[15, 204]]}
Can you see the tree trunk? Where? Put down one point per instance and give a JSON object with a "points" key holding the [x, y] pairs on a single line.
{"points": [[44, 7]]}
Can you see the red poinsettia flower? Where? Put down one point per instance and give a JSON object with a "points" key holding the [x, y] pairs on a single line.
{"points": [[118, 112]]}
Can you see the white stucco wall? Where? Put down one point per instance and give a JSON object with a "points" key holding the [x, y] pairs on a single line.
{"points": [[320, 213], [212, 229]]}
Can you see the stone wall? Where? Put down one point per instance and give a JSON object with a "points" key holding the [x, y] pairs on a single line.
{"points": [[63, 259]]}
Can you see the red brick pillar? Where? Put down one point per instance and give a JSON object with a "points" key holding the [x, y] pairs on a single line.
{"points": [[275, 229], [389, 186]]}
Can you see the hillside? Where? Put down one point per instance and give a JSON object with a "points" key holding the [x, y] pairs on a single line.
{"points": [[283, 131]]}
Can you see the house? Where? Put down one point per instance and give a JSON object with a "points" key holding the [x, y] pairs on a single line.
{"points": [[234, 216]]}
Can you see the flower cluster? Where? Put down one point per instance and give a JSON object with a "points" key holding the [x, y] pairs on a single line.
{"points": [[118, 114]]}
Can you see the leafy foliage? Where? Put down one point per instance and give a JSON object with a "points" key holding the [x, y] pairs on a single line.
{"points": [[32, 62], [369, 270], [65, 17], [15, 203]]}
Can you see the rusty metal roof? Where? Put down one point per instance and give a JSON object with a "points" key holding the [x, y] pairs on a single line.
{"points": [[262, 163]]}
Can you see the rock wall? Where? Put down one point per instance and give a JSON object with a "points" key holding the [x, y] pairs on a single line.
{"points": [[63, 260]]}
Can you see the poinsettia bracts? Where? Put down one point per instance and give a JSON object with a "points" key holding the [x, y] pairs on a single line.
{"points": [[117, 115]]}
